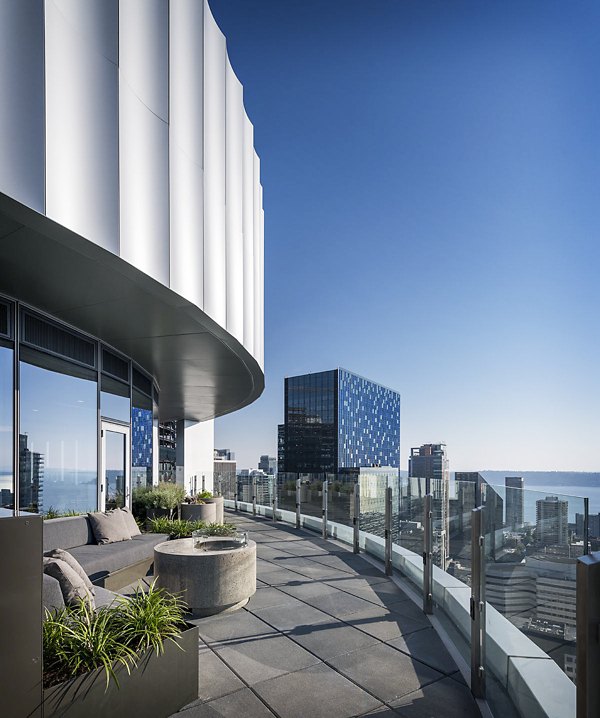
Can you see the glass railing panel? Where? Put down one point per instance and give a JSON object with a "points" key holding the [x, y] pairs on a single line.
{"points": [[531, 554], [463, 497], [373, 487], [408, 518], [340, 497], [286, 490], [311, 494], [244, 488]]}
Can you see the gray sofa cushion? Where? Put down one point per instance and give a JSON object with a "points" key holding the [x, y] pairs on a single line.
{"points": [[130, 522], [67, 532], [52, 597], [109, 527], [71, 584], [99, 561], [73, 563]]}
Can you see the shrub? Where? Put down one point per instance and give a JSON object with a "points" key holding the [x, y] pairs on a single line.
{"points": [[204, 495], [176, 528]]}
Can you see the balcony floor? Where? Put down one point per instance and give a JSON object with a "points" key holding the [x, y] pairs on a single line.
{"points": [[326, 634]]}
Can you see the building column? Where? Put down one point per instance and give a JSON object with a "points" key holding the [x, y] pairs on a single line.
{"points": [[194, 455]]}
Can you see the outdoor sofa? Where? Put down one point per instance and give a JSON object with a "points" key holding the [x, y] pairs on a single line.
{"points": [[109, 566]]}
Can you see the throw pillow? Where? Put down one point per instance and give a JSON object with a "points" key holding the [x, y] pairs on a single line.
{"points": [[71, 584], [73, 563], [109, 527], [130, 523]]}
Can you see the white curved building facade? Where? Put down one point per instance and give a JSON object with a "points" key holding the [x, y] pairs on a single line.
{"points": [[130, 217]]}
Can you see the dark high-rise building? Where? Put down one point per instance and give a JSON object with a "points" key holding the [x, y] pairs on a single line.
{"points": [[335, 420], [514, 502], [281, 447], [31, 477], [430, 462], [551, 521], [593, 525], [167, 445]]}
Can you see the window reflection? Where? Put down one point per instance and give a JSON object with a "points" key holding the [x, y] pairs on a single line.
{"points": [[58, 440], [114, 399], [141, 440], [6, 428]]}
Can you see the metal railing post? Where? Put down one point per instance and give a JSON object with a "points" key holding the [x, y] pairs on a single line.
{"points": [[388, 531], [298, 503], [254, 495], [325, 507], [356, 517], [478, 613], [428, 555], [236, 494], [203, 483], [274, 498], [586, 525], [219, 486], [588, 635]]}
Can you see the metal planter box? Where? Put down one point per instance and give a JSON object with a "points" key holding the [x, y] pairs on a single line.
{"points": [[158, 687]]}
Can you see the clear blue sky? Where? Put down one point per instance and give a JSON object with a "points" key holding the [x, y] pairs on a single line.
{"points": [[431, 177]]}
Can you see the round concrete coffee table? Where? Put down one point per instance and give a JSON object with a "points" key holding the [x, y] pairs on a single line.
{"points": [[209, 581]]}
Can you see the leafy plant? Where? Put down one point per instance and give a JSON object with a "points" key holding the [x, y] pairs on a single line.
{"points": [[149, 617], [140, 501], [204, 495], [176, 528], [80, 639]]}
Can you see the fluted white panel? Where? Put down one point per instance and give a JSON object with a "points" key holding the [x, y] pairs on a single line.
{"points": [[234, 247], [257, 255], [22, 112], [144, 52], [248, 232], [186, 158], [215, 276], [82, 129], [144, 135], [260, 349]]}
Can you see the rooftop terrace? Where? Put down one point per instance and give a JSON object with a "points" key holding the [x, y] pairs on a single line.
{"points": [[326, 634]]}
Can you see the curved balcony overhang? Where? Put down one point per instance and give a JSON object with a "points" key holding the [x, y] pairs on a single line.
{"points": [[202, 370]]}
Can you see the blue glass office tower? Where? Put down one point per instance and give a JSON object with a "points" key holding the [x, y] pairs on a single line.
{"points": [[336, 420]]}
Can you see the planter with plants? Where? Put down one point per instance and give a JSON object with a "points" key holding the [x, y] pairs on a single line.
{"points": [[136, 653], [161, 500], [203, 507], [181, 528]]}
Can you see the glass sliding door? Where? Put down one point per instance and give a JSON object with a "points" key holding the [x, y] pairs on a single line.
{"points": [[115, 487]]}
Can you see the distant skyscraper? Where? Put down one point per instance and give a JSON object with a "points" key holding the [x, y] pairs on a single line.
{"points": [[335, 420], [224, 471], [430, 462], [268, 464], [593, 525], [514, 502], [31, 477], [552, 524]]}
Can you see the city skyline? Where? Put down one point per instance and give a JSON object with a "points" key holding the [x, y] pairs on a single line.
{"points": [[430, 174]]}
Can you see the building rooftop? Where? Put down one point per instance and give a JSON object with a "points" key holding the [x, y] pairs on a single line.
{"points": [[326, 634]]}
